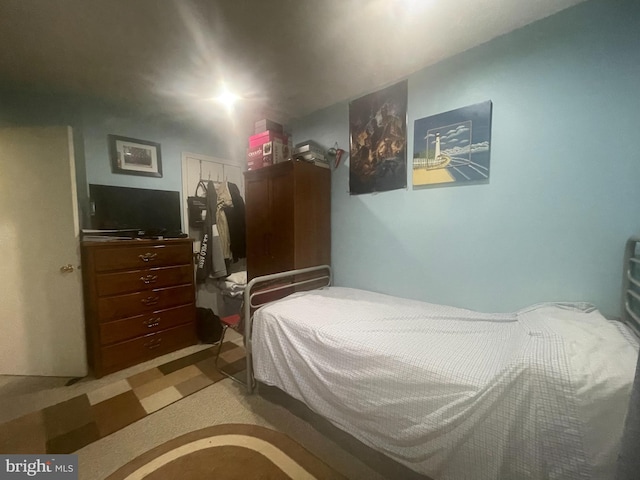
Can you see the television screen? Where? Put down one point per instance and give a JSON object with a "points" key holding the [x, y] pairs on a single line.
{"points": [[124, 208]]}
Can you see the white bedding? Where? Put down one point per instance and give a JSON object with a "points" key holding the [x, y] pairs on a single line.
{"points": [[539, 394]]}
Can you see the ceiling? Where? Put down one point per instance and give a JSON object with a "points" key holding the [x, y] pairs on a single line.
{"points": [[287, 58]]}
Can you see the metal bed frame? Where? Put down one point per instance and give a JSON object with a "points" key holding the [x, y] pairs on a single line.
{"points": [[631, 285], [630, 311], [313, 278]]}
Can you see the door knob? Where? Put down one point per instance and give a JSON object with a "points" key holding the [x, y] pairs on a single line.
{"points": [[66, 268]]}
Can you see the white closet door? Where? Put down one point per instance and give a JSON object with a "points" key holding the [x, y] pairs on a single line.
{"points": [[41, 312], [210, 171]]}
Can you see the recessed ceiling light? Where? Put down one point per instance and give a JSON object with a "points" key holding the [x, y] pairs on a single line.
{"points": [[227, 98]]}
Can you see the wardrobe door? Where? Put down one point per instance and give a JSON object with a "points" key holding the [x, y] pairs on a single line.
{"points": [[257, 221], [312, 217], [281, 226], [288, 226]]}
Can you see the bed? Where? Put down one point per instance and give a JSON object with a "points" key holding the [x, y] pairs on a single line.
{"points": [[540, 393]]}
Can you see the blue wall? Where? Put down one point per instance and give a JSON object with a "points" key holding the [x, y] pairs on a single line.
{"points": [[174, 138], [93, 120], [564, 191]]}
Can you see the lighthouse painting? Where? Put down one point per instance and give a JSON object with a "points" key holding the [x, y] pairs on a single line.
{"points": [[454, 147]]}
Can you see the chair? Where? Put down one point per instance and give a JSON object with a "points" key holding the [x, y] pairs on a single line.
{"points": [[233, 322]]}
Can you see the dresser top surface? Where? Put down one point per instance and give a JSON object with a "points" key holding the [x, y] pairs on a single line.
{"points": [[141, 242]]}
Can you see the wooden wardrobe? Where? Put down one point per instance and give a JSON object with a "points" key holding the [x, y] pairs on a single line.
{"points": [[288, 217]]}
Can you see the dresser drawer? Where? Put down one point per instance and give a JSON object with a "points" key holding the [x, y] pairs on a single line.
{"points": [[122, 306], [120, 330], [136, 280], [140, 349], [121, 258]]}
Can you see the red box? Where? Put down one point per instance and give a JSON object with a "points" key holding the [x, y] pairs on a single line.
{"points": [[266, 137]]}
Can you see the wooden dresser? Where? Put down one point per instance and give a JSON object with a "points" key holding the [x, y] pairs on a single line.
{"points": [[139, 300]]}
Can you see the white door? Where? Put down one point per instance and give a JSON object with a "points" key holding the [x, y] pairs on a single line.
{"points": [[41, 309]]}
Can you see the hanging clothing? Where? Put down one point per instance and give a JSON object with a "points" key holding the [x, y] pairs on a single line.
{"points": [[211, 260], [219, 268], [237, 223], [224, 200]]}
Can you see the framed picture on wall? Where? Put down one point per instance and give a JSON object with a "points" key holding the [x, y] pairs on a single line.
{"points": [[453, 148], [135, 157], [378, 141]]}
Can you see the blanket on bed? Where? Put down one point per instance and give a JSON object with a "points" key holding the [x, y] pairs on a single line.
{"points": [[454, 394]]}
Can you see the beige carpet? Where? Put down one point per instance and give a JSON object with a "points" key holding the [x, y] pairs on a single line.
{"points": [[21, 395], [228, 452], [71, 424], [222, 403]]}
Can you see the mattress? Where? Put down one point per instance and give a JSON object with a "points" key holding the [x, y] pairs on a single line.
{"points": [[540, 393]]}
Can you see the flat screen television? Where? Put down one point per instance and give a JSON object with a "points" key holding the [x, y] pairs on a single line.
{"points": [[152, 212]]}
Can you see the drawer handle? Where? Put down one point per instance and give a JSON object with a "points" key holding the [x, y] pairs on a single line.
{"points": [[150, 300], [154, 343], [152, 322], [147, 257], [147, 279]]}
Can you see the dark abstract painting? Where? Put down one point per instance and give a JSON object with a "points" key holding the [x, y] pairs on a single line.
{"points": [[378, 141]]}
